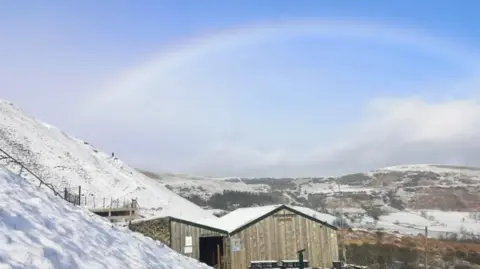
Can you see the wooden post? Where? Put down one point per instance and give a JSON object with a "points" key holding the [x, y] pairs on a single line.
{"points": [[342, 220], [218, 257], [103, 202], [426, 245], [79, 194]]}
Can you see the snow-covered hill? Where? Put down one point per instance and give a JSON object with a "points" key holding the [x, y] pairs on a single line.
{"points": [[205, 187], [38, 230], [414, 186], [65, 161]]}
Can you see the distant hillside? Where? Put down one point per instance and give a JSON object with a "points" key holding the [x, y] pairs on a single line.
{"points": [[416, 187], [399, 198]]}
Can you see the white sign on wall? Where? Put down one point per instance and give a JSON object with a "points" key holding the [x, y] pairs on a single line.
{"points": [[235, 244], [188, 241], [187, 250]]}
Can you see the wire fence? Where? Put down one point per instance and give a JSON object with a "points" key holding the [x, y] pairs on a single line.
{"points": [[91, 201], [73, 195], [77, 196]]}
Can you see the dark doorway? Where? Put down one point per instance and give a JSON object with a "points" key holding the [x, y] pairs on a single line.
{"points": [[208, 249]]}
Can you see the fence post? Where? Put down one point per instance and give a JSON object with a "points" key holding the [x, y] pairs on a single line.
{"points": [[79, 194], [65, 194], [103, 202]]}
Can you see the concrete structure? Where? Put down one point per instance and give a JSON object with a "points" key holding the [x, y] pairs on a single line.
{"points": [[249, 234], [117, 214]]}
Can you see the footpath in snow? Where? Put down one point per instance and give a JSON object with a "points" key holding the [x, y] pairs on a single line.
{"points": [[39, 230]]}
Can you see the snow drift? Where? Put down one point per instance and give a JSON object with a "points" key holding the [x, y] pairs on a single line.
{"points": [[39, 230]]}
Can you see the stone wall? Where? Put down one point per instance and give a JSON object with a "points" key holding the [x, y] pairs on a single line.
{"points": [[157, 229]]}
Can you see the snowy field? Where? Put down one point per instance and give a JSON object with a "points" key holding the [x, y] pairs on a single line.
{"points": [[206, 187], [440, 223], [436, 168], [40, 231]]}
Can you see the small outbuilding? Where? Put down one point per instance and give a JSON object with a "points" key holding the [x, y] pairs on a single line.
{"points": [[267, 233]]}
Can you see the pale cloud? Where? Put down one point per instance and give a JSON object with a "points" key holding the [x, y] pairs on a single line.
{"points": [[418, 121], [393, 131]]}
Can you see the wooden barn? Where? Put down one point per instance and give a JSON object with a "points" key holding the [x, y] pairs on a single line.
{"points": [[269, 233]]}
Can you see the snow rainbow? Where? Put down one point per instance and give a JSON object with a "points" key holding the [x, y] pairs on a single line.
{"points": [[182, 52]]}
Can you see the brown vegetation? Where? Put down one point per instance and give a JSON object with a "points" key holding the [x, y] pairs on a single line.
{"points": [[453, 198], [380, 249]]}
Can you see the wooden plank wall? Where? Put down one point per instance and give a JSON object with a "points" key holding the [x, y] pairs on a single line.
{"points": [[180, 230], [280, 236]]}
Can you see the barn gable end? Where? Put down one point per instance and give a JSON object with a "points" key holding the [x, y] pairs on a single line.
{"points": [[279, 234]]}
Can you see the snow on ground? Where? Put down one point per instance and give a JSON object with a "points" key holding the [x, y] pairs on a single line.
{"points": [[38, 230], [451, 221], [406, 218], [206, 187], [65, 161], [439, 223], [327, 188], [471, 172]]}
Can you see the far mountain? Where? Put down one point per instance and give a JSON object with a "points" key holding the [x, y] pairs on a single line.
{"points": [[405, 187]]}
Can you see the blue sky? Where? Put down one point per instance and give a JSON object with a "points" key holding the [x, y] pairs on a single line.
{"points": [[276, 88]]}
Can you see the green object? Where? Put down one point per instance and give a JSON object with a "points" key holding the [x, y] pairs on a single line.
{"points": [[300, 258]]}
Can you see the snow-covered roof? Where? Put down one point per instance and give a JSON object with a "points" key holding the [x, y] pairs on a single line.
{"points": [[243, 216], [238, 217], [315, 214]]}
